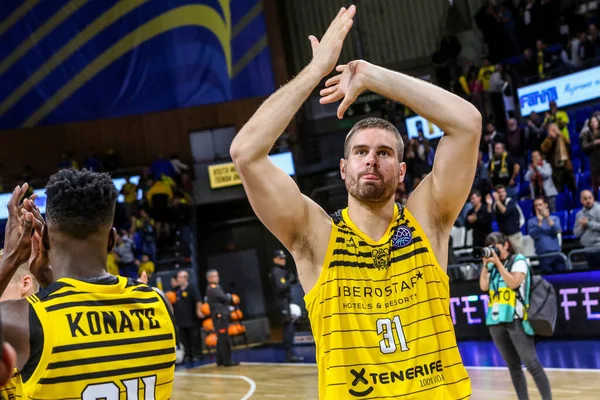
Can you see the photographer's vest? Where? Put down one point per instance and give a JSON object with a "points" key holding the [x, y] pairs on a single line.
{"points": [[503, 300]]}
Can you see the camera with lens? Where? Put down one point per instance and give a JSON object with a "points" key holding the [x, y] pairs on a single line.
{"points": [[485, 252]]}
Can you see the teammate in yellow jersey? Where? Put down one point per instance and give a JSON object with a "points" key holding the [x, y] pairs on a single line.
{"points": [[87, 334], [374, 273], [21, 285]]}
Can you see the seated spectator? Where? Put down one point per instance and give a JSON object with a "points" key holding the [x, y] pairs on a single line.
{"points": [[560, 118], [515, 142], [508, 216], [146, 266], [556, 150], [590, 143], [504, 170], [490, 137], [544, 229], [479, 218], [535, 132], [539, 174], [587, 228]]}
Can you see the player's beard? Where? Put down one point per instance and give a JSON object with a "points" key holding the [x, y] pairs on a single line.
{"points": [[375, 191]]}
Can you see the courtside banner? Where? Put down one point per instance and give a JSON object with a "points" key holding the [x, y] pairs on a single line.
{"points": [[566, 91], [578, 296]]}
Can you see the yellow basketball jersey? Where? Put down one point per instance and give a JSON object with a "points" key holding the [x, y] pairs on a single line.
{"points": [[113, 339], [12, 389], [380, 317]]}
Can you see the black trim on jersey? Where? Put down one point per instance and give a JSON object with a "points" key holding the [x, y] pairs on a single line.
{"points": [[144, 289], [377, 280], [109, 343], [106, 374], [350, 348], [59, 295], [36, 345], [426, 336], [6, 389], [349, 330], [424, 319], [336, 384], [402, 257], [51, 288], [101, 303], [387, 311], [366, 254], [394, 361], [101, 280], [112, 357]]}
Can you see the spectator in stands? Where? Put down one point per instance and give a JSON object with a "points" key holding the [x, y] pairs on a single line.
{"points": [[529, 66], [125, 255], [497, 84], [535, 131], [178, 167], [479, 218], [594, 39], [505, 17], [556, 150], [146, 266], [590, 143], [587, 227], [504, 170], [490, 138], [482, 178], [542, 58], [111, 160], [544, 228], [539, 174], [162, 166], [182, 214], [560, 118], [187, 309], [515, 143], [67, 161], [508, 217], [129, 192], [572, 55], [92, 162], [159, 198], [476, 91], [485, 73], [145, 229]]}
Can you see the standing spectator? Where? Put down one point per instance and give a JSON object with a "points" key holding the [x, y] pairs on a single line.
{"points": [[543, 58], [535, 132], [560, 118], [145, 230], [515, 143], [505, 17], [162, 166], [219, 302], [479, 218], [146, 266], [587, 227], [92, 162], [528, 68], [178, 167], [556, 150], [485, 73], [497, 84], [182, 214], [590, 143], [482, 178], [129, 192], [159, 197], [504, 170], [188, 315], [544, 229], [281, 281], [508, 216], [539, 174], [125, 255]]}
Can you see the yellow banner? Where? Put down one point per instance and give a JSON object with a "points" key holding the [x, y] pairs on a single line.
{"points": [[223, 175]]}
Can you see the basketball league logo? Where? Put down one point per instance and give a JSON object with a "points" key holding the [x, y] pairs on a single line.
{"points": [[402, 237]]}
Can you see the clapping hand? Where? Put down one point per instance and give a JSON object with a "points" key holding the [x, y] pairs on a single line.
{"points": [[583, 221]]}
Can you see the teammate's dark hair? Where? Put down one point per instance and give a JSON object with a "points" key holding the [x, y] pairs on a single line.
{"points": [[373, 122], [80, 203]]}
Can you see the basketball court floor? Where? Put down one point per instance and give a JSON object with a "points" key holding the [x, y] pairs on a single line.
{"points": [[573, 368]]}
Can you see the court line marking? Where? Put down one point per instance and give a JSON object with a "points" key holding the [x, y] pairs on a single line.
{"points": [[546, 369], [242, 377]]}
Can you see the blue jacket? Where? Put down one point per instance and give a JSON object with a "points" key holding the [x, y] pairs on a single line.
{"points": [[545, 236]]}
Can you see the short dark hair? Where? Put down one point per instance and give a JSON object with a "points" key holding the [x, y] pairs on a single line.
{"points": [[498, 187], [543, 198], [80, 203], [373, 122], [475, 191]]}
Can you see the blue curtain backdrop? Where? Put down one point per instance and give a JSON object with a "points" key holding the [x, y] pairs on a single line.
{"points": [[63, 61]]}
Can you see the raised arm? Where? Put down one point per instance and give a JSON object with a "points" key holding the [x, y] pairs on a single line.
{"points": [[440, 196], [299, 223]]}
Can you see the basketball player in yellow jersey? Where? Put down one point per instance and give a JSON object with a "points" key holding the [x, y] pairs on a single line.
{"points": [[21, 285], [374, 274], [88, 335]]}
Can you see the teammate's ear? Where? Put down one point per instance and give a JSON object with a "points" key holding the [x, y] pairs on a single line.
{"points": [[26, 283], [343, 168], [112, 240], [45, 238]]}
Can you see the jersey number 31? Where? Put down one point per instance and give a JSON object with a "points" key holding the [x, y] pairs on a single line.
{"points": [[110, 390], [388, 344]]}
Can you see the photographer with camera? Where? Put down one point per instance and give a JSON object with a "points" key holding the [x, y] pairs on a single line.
{"points": [[505, 276]]}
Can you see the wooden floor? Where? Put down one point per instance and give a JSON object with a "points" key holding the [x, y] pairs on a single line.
{"points": [[291, 382]]}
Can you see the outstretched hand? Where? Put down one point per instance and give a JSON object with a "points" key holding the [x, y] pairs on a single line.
{"points": [[19, 228], [348, 85], [327, 52]]}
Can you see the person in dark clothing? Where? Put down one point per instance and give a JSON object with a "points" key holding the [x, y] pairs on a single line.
{"points": [[504, 170], [282, 280], [479, 218], [219, 302], [508, 216], [188, 315], [182, 215]]}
